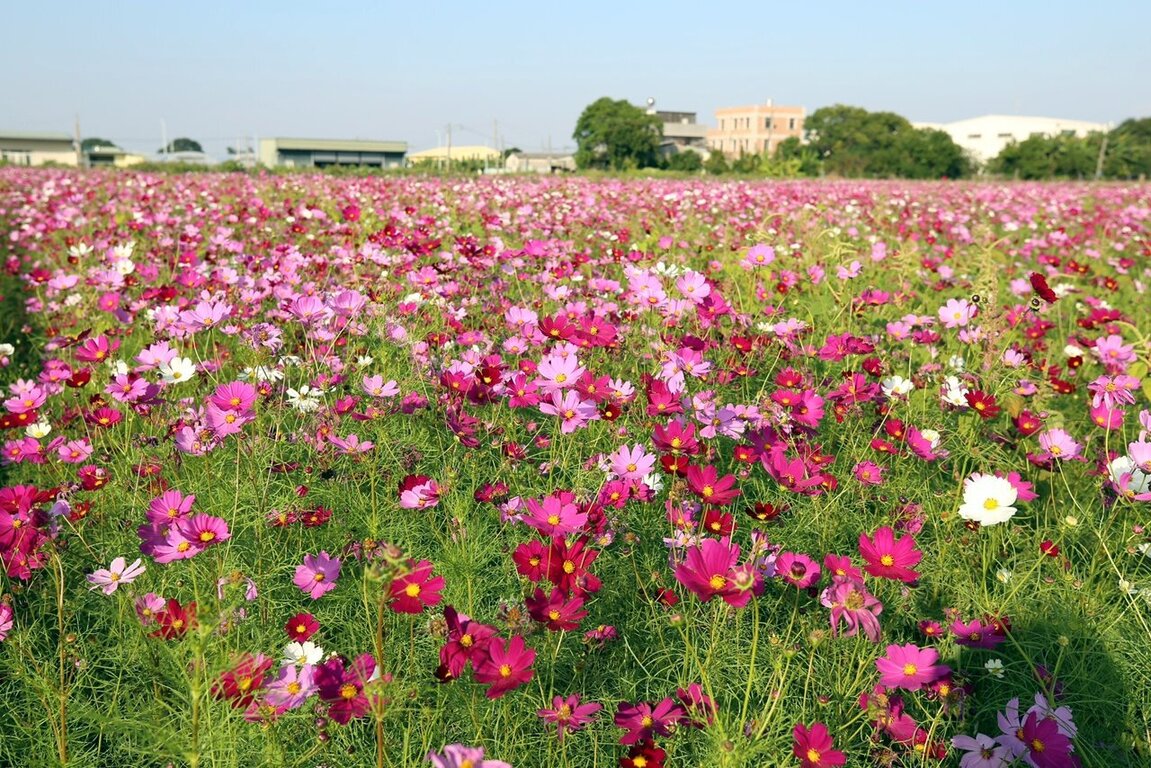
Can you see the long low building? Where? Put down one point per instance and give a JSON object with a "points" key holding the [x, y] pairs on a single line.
{"points": [[319, 153], [37, 148], [985, 137]]}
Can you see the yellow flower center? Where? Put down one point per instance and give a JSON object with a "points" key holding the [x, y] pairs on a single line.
{"points": [[553, 519], [412, 590], [554, 615], [813, 755], [990, 504], [505, 670], [910, 669], [569, 566], [293, 687], [717, 582], [708, 491], [348, 691], [466, 641], [887, 560], [206, 536]]}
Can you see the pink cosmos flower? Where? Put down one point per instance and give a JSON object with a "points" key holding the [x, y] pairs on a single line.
{"points": [[6, 620], [554, 517], [888, 557], [204, 530], [421, 495], [631, 463], [503, 667], [908, 666], [292, 686], [957, 313], [814, 747], [573, 411], [642, 721], [709, 570], [850, 602], [318, 575], [568, 714], [459, 756], [108, 579], [557, 372], [1058, 444], [797, 569]]}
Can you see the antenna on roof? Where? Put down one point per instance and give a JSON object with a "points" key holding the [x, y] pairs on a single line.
{"points": [[651, 105]]}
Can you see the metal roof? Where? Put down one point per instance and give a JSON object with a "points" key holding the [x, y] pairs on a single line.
{"points": [[36, 136], [340, 145]]}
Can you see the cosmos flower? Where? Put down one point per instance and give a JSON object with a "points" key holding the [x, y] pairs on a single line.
{"points": [[318, 574], [110, 578]]}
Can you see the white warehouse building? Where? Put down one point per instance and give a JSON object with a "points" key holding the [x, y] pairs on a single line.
{"points": [[985, 137]]}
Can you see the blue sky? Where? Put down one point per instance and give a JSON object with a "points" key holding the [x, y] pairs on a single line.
{"points": [[217, 71]]}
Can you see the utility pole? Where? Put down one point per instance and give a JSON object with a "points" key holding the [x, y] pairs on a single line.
{"points": [[79, 149], [1099, 160], [164, 138], [449, 147]]}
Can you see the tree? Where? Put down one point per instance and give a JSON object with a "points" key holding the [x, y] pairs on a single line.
{"points": [[850, 141], [87, 145], [685, 161], [792, 150], [1128, 153], [616, 135], [1049, 157], [716, 164], [182, 144]]}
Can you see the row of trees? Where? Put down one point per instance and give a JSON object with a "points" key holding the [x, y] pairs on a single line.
{"points": [[1123, 153], [850, 141]]}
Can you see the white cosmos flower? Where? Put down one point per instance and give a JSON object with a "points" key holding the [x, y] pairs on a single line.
{"points": [[38, 430], [896, 385], [988, 499], [305, 399], [303, 653], [954, 392], [178, 370], [994, 667], [261, 373], [7, 349], [654, 481]]}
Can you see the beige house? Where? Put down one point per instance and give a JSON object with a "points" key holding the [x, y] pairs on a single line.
{"points": [[111, 157], [541, 162], [38, 148], [754, 130]]}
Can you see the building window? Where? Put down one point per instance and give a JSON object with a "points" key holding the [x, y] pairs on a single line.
{"points": [[791, 124], [975, 136], [1006, 136]]}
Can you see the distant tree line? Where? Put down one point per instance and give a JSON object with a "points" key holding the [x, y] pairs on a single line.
{"points": [[852, 142]]}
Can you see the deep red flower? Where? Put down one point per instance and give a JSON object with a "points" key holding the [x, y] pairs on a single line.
{"points": [[567, 564], [982, 403], [301, 627], [175, 620], [645, 755], [1039, 283], [240, 683], [417, 589], [342, 686]]}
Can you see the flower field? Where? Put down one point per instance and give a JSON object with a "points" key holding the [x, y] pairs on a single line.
{"points": [[313, 470]]}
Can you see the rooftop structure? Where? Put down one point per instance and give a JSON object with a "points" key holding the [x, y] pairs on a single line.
{"points": [[318, 153], [37, 148]]}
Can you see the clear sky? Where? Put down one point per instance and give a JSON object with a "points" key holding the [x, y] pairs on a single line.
{"points": [[218, 71]]}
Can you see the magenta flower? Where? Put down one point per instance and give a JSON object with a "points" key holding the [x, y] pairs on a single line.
{"points": [[908, 666], [6, 621], [797, 569], [709, 570], [116, 574], [889, 558], [568, 714], [503, 667], [1047, 746], [642, 721], [850, 602], [554, 516], [318, 575], [342, 686], [204, 530]]}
